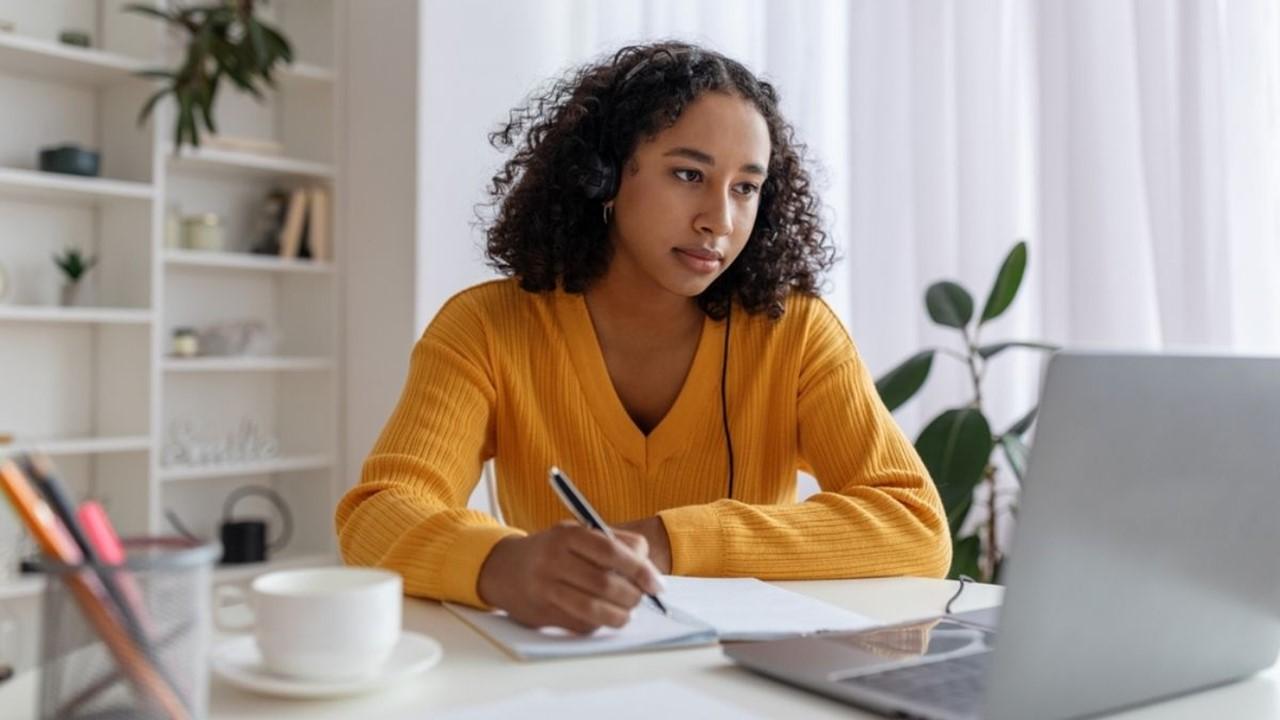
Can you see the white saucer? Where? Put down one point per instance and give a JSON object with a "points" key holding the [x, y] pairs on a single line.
{"points": [[238, 662]]}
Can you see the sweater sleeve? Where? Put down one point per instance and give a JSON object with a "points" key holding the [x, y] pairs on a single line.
{"points": [[408, 513], [878, 512]]}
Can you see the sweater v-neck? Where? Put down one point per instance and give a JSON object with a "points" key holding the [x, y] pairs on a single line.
{"points": [[674, 430]]}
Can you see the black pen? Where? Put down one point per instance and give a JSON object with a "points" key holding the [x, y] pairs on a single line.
{"points": [[586, 514]]}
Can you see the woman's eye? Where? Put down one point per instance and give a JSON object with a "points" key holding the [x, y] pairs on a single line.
{"points": [[688, 175], [748, 189]]}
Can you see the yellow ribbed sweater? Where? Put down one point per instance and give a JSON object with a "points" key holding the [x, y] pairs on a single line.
{"points": [[517, 376]]}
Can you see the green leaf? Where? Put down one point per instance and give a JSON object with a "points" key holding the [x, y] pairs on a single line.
{"points": [[156, 74], [233, 65], [258, 41], [203, 40], [150, 105], [186, 120], [988, 351], [1008, 280], [949, 304], [1015, 451], [1020, 428], [279, 44], [901, 383], [150, 10], [956, 448], [964, 557], [206, 112], [211, 95]]}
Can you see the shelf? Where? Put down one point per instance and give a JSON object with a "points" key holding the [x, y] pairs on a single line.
{"points": [[80, 445], [248, 571], [305, 76], [247, 364], [64, 63], [32, 584], [244, 261], [77, 315], [21, 586], [57, 187], [292, 463], [241, 163]]}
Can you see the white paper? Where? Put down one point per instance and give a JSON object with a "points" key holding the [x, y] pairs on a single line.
{"points": [[702, 610], [647, 629], [748, 609], [640, 701]]}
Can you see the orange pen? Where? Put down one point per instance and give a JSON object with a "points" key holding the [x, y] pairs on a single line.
{"points": [[57, 544]]}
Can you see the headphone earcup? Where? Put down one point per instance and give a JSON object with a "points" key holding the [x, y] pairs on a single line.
{"points": [[599, 179]]}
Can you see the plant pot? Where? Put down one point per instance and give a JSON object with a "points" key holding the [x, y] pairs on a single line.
{"points": [[71, 294]]}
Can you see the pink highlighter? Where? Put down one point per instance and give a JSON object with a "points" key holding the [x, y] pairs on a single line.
{"points": [[102, 535]]}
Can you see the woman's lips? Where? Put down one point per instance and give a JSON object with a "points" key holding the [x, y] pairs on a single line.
{"points": [[699, 260]]}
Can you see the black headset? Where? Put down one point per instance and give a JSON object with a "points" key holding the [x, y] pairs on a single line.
{"points": [[598, 180], [724, 402]]}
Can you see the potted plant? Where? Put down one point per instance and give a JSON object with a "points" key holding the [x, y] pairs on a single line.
{"points": [[74, 265], [225, 40], [958, 445]]}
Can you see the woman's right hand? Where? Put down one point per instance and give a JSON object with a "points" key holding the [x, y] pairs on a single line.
{"points": [[569, 576]]}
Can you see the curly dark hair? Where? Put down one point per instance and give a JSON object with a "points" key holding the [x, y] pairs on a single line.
{"points": [[548, 230]]}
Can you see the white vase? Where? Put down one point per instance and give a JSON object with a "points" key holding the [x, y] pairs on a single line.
{"points": [[70, 295]]}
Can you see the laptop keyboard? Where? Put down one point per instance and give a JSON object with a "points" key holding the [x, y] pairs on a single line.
{"points": [[955, 684]]}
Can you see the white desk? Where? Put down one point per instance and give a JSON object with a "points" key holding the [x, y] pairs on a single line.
{"points": [[475, 672]]}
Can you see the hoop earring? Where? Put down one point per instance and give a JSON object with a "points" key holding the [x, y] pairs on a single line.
{"points": [[607, 212]]}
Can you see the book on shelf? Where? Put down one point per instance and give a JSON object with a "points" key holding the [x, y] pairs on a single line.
{"points": [[305, 228], [317, 233], [294, 219]]}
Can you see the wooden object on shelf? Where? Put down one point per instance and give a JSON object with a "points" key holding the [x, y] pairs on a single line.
{"points": [[318, 224], [295, 217]]}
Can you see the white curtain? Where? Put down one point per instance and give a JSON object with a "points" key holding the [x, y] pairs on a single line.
{"points": [[1161, 147], [1135, 144]]}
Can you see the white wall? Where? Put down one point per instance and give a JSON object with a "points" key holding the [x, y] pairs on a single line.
{"points": [[380, 41], [466, 90]]}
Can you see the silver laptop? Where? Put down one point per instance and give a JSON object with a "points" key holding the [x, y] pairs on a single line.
{"points": [[1144, 565]]}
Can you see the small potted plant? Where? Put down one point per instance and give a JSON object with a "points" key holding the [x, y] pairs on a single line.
{"points": [[75, 265]]}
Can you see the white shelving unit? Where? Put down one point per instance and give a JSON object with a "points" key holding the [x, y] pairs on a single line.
{"points": [[55, 447], [77, 315], [48, 60], [95, 386], [298, 463], [35, 185], [230, 261], [238, 164], [247, 364]]}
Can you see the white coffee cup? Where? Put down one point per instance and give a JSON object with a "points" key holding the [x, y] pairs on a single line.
{"points": [[328, 623]]}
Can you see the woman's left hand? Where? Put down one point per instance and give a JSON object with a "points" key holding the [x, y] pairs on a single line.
{"points": [[659, 544]]}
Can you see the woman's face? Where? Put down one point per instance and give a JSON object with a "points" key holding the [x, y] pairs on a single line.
{"points": [[688, 197]]}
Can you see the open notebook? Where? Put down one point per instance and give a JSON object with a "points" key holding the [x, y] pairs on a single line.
{"points": [[702, 611]]}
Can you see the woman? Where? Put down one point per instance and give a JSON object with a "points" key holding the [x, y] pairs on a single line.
{"points": [[660, 338]]}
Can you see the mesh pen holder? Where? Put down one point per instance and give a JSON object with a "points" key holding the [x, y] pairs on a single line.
{"points": [[131, 640]]}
